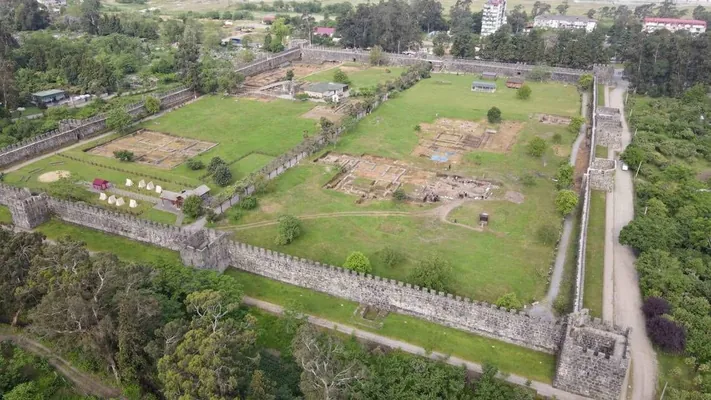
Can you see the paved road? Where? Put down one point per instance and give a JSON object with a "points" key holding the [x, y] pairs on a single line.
{"points": [[626, 294], [542, 388]]}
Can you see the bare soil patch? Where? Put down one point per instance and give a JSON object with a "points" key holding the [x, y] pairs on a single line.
{"points": [[54, 176], [371, 177], [446, 140], [319, 112], [279, 74], [155, 148], [553, 119], [514, 197]]}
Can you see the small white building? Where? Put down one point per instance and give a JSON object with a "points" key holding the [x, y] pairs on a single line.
{"points": [[694, 26], [570, 22], [330, 90], [493, 16]]}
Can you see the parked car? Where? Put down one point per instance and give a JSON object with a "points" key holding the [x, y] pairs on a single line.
{"points": [[625, 167]]}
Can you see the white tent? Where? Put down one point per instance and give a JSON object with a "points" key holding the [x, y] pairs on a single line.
{"points": [[120, 202], [141, 184], [132, 203], [129, 182], [102, 196], [112, 199], [159, 189], [150, 185]]}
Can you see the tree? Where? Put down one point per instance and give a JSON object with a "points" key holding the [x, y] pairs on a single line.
{"points": [[564, 176], [585, 81], [261, 387], [536, 147], [248, 203], [376, 56], [655, 306], [152, 105], [494, 115], [289, 74], [666, 334], [215, 162], [429, 15], [524, 92], [341, 77], [118, 119], [399, 195], [433, 273], [17, 252], [222, 175], [566, 201], [188, 55], [192, 206], [651, 232], [563, 7], [288, 230], [124, 155], [539, 74], [439, 50], [358, 262], [509, 301], [90, 16], [575, 124], [463, 45], [591, 13], [390, 256], [194, 164], [328, 372]]}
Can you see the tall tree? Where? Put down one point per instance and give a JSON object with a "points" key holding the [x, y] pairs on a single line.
{"points": [[188, 55], [91, 16], [429, 15]]}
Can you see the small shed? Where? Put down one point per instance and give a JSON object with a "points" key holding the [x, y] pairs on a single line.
{"points": [[484, 218], [200, 191], [172, 198], [268, 19], [514, 83], [322, 90], [48, 96], [100, 184], [324, 31], [489, 87], [489, 75]]}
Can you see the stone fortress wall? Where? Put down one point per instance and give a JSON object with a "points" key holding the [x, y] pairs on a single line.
{"points": [[602, 174], [71, 131], [609, 127]]}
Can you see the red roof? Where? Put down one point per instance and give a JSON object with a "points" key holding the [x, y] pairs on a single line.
{"points": [[268, 18], [322, 30], [675, 21], [98, 181]]}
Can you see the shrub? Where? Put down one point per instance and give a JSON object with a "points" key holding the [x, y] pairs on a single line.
{"points": [[655, 307], [399, 195], [341, 77], [358, 262], [536, 147], [547, 234], [195, 165], [124, 155], [376, 56], [566, 201], [118, 119], [524, 92], [434, 273], [211, 215], [390, 256], [585, 81], [666, 334], [289, 74], [418, 128], [248, 203], [575, 124], [192, 206], [301, 96], [288, 230], [152, 105], [564, 176], [509, 301], [214, 163], [494, 115], [528, 180], [222, 175], [236, 215], [557, 138], [539, 74]]}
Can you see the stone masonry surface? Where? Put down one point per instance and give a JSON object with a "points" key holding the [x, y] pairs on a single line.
{"points": [[609, 127], [71, 131], [602, 174]]}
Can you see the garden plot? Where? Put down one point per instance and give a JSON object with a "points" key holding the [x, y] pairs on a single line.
{"points": [[446, 140], [371, 177], [279, 74], [329, 113], [155, 148]]}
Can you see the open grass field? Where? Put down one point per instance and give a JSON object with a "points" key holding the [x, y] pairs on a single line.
{"points": [[506, 257], [5, 216], [595, 255], [360, 77], [509, 358]]}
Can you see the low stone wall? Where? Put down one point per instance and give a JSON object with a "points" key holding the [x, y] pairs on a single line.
{"points": [[72, 131], [609, 127], [267, 64], [602, 174]]}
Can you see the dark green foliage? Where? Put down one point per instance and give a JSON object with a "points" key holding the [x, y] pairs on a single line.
{"points": [[214, 163], [358, 262], [248, 203], [152, 105], [195, 165], [192, 206], [433, 273], [118, 119], [399, 195], [564, 176], [289, 74], [211, 216], [494, 115], [24, 376], [390, 256], [585, 81], [124, 155], [341, 77], [524, 92], [566, 201], [575, 124], [222, 175], [288, 230], [536, 147], [509, 301]]}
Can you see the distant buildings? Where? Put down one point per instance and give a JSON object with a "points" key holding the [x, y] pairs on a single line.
{"points": [[550, 21], [327, 90], [47, 97], [324, 31], [488, 87], [673, 25], [494, 16]]}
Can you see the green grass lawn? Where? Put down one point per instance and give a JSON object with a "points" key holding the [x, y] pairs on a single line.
{"points": [[5, 216], [674, 372], [368, 77], [595, 255], [601, 152], [159, 216], [600, 94]]}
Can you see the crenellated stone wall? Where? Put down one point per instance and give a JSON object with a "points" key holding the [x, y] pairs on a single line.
{"points": [[602, 174], [267, 64], [71, 131], [609, 127], [593, 359]]}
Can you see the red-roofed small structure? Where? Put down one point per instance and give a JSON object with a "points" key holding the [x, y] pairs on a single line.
{"points": [[324, 31], [100, 184], [268, 19]]}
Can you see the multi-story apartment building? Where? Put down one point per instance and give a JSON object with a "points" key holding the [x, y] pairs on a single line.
{"points": [[494, 16], [673, 25], [550, 21]]}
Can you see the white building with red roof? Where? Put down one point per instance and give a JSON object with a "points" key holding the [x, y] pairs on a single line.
{"points": [[695, 26], [324, 31]]}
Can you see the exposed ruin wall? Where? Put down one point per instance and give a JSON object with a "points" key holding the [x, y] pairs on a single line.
{"points": [[71, 131], [602, 174]]}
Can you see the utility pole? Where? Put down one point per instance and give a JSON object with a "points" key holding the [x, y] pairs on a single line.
{"points": [[638, 167]]}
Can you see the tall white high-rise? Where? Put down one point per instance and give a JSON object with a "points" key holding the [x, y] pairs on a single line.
{"points": [[494, 16]]}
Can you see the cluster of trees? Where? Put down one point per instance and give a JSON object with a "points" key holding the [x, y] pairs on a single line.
{"points": [[180, 333], [671, 228]]}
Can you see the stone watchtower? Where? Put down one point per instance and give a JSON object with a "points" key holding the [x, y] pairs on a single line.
{"points": [[593, 359], [30, 211]]}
